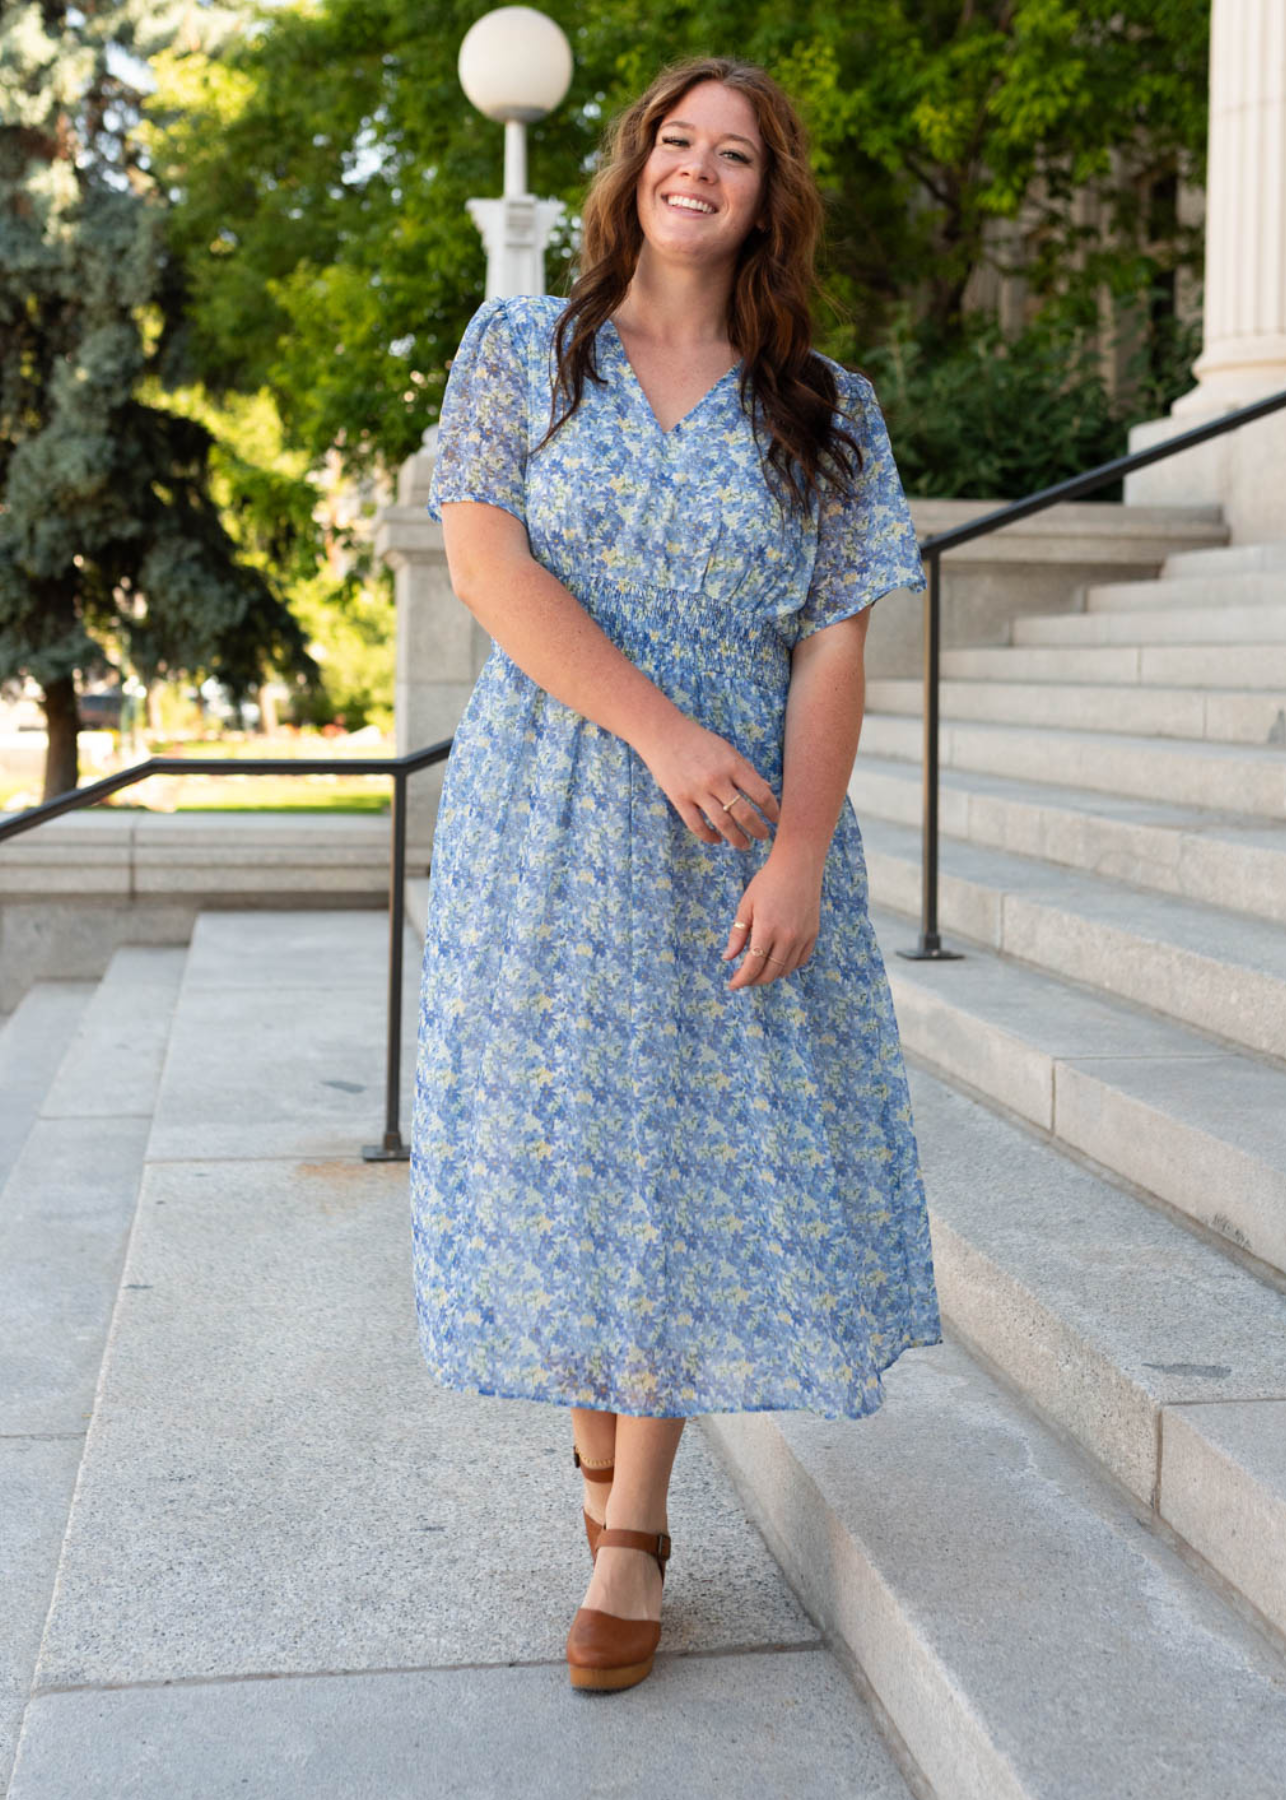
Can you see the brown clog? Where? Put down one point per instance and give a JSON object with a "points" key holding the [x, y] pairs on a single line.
{"points": [[604, 1650]]}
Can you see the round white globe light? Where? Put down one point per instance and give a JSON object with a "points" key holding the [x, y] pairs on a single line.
{"points": [[515, 64]]}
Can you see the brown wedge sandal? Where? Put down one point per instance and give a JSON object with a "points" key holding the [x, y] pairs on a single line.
{"points": [[600, 1471], [604, 1650]]}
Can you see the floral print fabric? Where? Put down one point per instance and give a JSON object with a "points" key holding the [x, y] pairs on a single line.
{"points": [[632, 1189]]}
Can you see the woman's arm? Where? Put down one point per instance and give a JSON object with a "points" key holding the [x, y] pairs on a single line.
{"points": [[866, 547], [824, 711], [545, 629], [541, 625]]}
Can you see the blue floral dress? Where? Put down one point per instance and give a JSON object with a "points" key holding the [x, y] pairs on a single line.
{"points": [[632, 1189]]}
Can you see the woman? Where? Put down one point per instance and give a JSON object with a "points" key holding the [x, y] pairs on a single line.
{"points": [[642, 1188]]}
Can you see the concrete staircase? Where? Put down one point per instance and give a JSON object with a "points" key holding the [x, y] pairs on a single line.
{"points": [[1099, 1451], [251, 1548]]}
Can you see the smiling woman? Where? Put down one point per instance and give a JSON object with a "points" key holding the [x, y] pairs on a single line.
{"points": [[642, 1188]]}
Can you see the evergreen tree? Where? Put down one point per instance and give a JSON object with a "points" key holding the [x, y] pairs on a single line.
{"points": [[112, 550]]}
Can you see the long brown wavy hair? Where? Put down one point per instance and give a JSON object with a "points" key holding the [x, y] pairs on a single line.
{"points": [[793, 393]]}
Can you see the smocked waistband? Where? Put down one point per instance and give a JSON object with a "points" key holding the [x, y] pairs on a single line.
{"points": [[667, 621]]}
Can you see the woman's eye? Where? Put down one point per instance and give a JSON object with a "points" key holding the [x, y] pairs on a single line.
{"points": [[681, 141]]}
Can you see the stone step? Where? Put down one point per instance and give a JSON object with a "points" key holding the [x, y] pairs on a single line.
{"points": [[1219, 859], [65, 1216], [271, 859], [1109, 1318], [1235, 666], [1027, 1632], [1171, 1112], [1217, 715], [1217, 588], [278, 1041], [69, 1197], [273, 1485], [33, 1041], [1249, 779], [1221, 972], [1227, 558], [1218, 623]]}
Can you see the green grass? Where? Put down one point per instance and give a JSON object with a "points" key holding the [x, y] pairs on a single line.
{"points": [[280, 799], [357, 803]]}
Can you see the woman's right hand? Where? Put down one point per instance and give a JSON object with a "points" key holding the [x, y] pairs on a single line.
{"points": [[698, 770]]}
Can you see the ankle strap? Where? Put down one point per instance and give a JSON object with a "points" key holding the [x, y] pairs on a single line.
{"points": [[593, 1471], [658, 1542]]}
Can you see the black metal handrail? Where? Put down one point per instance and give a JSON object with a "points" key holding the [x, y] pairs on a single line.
{"points": [[930, 946], [391, 1149]]}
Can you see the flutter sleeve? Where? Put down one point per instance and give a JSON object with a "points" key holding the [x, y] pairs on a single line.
{"points": [[482, 428], [866, 543]]}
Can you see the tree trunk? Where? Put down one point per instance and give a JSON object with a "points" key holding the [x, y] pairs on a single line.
{"points": [[267, 711], [62, 721], [154, 710]]}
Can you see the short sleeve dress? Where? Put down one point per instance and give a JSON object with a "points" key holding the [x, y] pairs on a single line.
{"points": [[632, 1189]]}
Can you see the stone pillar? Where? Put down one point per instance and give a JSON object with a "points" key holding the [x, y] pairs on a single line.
{"points": [[1244, 351], [440, 645]]}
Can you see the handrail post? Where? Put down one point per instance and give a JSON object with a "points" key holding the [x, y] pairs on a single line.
{"points": [[393, 1149], [930, 946]]}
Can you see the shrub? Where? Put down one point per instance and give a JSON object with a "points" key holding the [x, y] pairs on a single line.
{"points": [[997, 417]]}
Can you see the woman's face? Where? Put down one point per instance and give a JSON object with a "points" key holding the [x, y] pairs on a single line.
{"points": [[707, 147]]}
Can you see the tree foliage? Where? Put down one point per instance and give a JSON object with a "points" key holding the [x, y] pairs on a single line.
{"points": [[273, 507], [320, 167]]}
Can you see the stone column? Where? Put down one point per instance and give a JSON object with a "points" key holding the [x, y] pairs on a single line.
{"points": [[440, 645], [1244, 350]]}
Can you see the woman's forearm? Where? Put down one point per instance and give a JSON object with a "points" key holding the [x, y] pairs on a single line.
{"points": [[543, 628], [823, 724]]}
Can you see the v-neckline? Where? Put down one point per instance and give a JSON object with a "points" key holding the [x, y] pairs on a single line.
{"points": [[624, 355]]}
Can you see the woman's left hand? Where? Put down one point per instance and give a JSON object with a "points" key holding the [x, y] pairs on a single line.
{"points": [[780, 912]]}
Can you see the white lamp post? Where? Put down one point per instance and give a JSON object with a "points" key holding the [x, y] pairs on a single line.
{"points": [[515, 66]]}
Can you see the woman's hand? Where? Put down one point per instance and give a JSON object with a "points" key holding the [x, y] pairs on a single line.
{"points": [[697, 770], [780, 912]]}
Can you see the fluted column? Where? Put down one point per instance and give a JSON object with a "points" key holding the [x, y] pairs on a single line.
{"points": [[1243, 355], [1244, 349]]}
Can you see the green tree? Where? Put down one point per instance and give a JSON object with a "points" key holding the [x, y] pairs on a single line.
{"points": [[975, 111], [297, 526], [320, 167], [110, 538]]}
